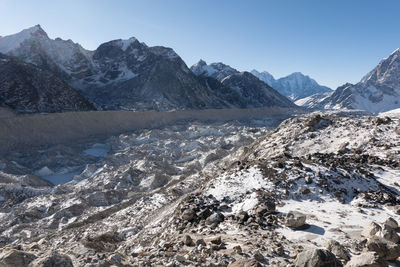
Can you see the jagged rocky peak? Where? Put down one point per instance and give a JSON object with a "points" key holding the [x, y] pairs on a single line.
{"points": [[217, 70], [35, 31], [378, 91], [264, 76], [387, 72]]}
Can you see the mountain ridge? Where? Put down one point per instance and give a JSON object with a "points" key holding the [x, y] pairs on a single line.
{"points": [[124, 74], [378, 91]]}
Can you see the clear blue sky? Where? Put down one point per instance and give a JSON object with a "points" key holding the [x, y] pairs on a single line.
{"points": [[333, 41]]}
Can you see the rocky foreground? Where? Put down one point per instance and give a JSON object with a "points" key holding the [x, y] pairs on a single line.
{"points": [[319, 190]]}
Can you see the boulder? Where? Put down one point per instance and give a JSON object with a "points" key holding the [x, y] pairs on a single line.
{"points": [[392, 223], [367, 259], [188, 241], [14, 258], [245, 263], [295, 219], [388, 233], [259, 257], [55, 259], [188, 215], [237, 249], [215, 219], [384, 248], [267, 207], [371, 229], [316, 258], [337, 249], [201, 242], [216, 240]]}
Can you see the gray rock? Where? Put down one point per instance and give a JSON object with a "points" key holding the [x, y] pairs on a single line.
{"points": [[337, 249], [295, 219], [54, 260], [201, 242], [14, 258], [266, 208], [245, 263], [388, 233], [215, 219], [384, 248], [237, 249], [371, 229], [180, 258], [216, 240], [188, 215], [392, 223], [367, 259], [115, 258], [308, 180], [188, 241], [317, 258], [259, 257]]}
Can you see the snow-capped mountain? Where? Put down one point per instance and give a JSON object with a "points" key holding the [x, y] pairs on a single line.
{"points": [[378, 91], [26, 88], [123, 74], [63, 57], [242, 89], [294, 86]]}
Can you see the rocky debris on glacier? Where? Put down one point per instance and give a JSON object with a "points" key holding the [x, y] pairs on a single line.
{"points": [[340, 170]]}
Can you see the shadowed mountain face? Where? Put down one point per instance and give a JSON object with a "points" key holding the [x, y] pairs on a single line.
{"points": [[26, 88], [241, 89], [125, 74], [378, 91]]}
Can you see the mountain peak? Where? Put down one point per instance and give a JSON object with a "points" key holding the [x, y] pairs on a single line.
{"points": [[216, 70], [36, 30], [396, 52], [297, 74], [200, 63], [14, 41]]}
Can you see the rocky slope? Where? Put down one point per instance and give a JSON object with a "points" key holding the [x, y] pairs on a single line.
{"points": [[120, 74], [186, 195], [294, 86], [25, 88], [378, 91]]}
